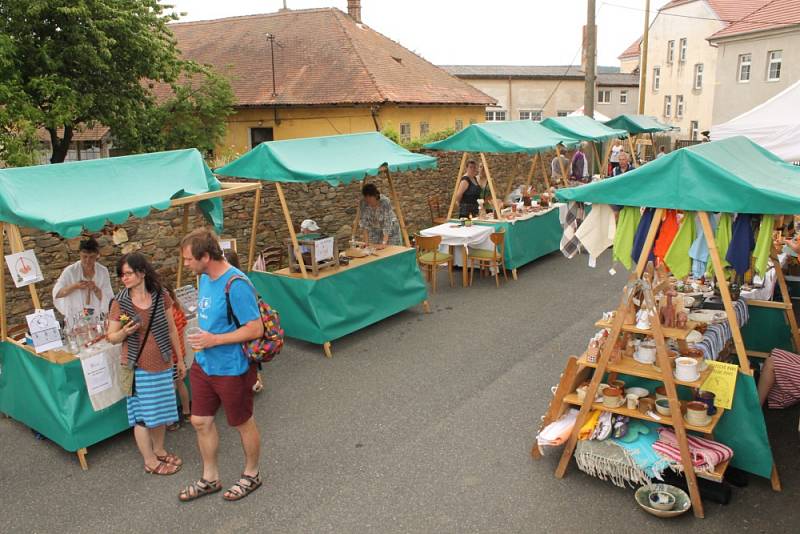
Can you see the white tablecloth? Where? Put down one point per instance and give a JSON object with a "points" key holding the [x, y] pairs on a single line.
{"points": [[461, 237]]}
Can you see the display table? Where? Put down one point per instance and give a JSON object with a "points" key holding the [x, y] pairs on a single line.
{"points": [[340, 301], [51, 398], [456, 240]]}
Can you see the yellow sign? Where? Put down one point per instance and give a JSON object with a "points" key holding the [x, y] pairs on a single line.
{"points": [[722, 382]]}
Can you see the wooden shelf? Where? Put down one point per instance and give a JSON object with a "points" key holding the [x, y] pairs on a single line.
{"points": [[572, 398], [629, 366], [717, 474], [672, 333]]}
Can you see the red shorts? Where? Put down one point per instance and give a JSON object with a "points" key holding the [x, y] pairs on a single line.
{"points": [[235, 393]]}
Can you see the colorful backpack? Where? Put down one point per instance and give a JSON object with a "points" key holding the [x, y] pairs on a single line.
{"points": [[270, 343]]}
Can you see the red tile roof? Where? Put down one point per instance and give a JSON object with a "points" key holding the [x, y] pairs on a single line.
{"points": [[82, 133], [322, 57], [633, 50], [728, 11], [773, 15]]}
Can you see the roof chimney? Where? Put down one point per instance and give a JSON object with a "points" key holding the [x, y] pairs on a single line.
{"points": [[354, 10]]}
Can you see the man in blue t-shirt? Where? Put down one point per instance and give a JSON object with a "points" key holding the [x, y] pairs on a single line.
{"points": [[223, 374]]}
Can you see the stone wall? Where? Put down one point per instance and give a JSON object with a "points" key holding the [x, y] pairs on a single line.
{"points": [[334, 208]]}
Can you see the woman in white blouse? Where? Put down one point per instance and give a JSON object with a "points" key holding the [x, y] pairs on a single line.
{"points": [[84, 286]]}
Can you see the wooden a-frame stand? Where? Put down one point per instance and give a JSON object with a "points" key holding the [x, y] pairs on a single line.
{"points": [[14, 236], [577, 371]]}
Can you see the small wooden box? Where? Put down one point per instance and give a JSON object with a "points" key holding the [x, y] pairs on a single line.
{"points": [[309, 257]]}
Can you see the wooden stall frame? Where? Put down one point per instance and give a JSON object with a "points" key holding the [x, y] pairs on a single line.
{"points": [[14, 236]]}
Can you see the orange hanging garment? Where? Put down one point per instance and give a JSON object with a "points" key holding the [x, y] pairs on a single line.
{"points": [[666, 234]]}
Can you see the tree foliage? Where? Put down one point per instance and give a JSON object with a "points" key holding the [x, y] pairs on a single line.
{"points": [[72, 62]]}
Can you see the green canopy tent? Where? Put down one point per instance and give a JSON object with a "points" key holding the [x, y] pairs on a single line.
{"points": [[734, 175], [637, 125], [586, 129], [48, 392], [315, 309], [505, 137]]}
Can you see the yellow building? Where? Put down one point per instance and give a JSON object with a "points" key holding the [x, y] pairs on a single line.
{"points": [[319, 72]]}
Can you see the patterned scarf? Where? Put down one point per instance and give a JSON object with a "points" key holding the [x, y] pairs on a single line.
{"points": [[570, 244], [705, 454], [159, 328]]}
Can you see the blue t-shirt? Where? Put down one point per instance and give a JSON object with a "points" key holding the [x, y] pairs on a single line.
{"points": [[212, 314]]}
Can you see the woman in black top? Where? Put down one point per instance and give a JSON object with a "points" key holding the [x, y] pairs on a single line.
{"points": [[470, 189]]}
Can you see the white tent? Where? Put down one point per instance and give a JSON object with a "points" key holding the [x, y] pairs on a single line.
{"points": [[775, 124], [599, 117]]}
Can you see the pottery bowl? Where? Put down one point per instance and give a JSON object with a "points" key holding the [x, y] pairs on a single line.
{"points": [[661, 500], [662, 407]]}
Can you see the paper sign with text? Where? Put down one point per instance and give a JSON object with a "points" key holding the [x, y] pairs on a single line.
{"points": [[722, 382]]}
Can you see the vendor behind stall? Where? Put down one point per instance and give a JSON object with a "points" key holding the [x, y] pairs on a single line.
{"points": [[471, 188], [84, 286], [378, 220]]}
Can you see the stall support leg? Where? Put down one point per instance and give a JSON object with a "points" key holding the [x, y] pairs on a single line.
{"points": [[458, 181], [426, 306], [464, 281], [775, 481], [82, 458], [327, 348], [514, 274], [251, 251]]}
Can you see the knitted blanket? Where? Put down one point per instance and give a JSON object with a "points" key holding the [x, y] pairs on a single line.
{"points": [[706, 455]]}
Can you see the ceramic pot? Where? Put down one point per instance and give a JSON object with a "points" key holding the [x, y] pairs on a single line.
{"points": [[612, 397], [645, 353], [696, 413], [686, 369], [707, 398]]}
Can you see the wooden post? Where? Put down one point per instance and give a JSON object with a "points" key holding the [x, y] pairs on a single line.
{"points": [[738, 342], [184, 230], [648, 242], [604, 168], [544, 172], [398, 207], [15, 239], [3, 315], [564, 177], [597, 156], [358, 216], [251, 253], [495, 200], [292, 234], [633, 152], [458, 181], [787, 299]]}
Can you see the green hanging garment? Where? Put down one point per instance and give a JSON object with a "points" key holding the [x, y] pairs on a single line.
{"points": [[723, 240], [677, 257], [763, 244], [623, 240]]}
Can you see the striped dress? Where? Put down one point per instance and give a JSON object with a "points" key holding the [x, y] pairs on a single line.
{"points": [[154, 403], [786, 390]]}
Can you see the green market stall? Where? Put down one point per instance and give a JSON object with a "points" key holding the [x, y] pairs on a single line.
{"points": [[638, 125], [47, 391], [337, 301], [587, 129], [731, 176], [529, 239]]}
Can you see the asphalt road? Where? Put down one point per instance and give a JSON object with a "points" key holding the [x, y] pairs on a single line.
{"points": [[421, 423]]}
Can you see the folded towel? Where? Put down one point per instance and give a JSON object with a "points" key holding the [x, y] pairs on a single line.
{"points": [[557, 432], [597, 232], [705, 454]]}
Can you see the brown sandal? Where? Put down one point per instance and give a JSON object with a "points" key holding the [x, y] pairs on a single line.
{"points": [[243, 487], [198, 489], [163, 468], [171, 459]]}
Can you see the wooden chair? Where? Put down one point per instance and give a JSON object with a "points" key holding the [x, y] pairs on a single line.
{"points": [[429, 256], [487, 259], [272, 258], [438, 216]]}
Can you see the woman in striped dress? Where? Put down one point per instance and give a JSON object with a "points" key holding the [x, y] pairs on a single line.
{"points": [[141, 319], [779, 383]]}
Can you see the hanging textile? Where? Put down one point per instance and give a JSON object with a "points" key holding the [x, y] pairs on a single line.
{"points": [[677, 257], [742, 244], [763, 244], [597, 232], [570, 245], [623, 240], [722, 238], [666, 234], [699, 249], [641, 234]]}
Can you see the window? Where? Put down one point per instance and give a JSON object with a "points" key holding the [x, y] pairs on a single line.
{"points": [[405, 132], [698, 76], [682, 51], [423, 129], [459, 125], [745, 61], [495, 115], [531, 115], [260, 135], [562, 113], [656, 78], [623, 97], [667, 106], [472, 121], [694, 130], [774, 65], [604, 96], [679, 106], [670, 51]]}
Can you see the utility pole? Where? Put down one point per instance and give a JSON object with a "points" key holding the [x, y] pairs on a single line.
{"points": [[643, 58], [591, 60]]}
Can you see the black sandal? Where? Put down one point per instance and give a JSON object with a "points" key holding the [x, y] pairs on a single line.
{"points": [[243, 487], [198, 489]]}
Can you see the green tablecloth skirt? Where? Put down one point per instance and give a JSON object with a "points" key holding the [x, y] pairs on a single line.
{"points": [[52, 399], [767, 329], [327, 308], [530, 239]]}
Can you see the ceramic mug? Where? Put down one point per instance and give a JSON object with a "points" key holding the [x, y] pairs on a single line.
{"points": [[645, 352], [686, 369], [696, 413], [632, 400], [707, 398], [612, 397]]}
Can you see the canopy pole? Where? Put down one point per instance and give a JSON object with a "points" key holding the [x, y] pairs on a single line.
{"points": [[633, 152], [604, 168], [787, 299], [597, 156], [185, 230], [652, 145], [396, 200], [293, 236], [648, 242], [15, 239], [544, 172], [3, 315], [495, 201], [738, 342], [461, 169], [251, 253], [564, 178]]}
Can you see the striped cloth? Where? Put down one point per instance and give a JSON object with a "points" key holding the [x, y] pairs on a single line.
{"points": [[717, 336], [570, 244], [154, 403], [706, 455], [786, 390]]}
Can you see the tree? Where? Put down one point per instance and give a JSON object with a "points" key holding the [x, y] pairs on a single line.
{"points": [[74, 62]]}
